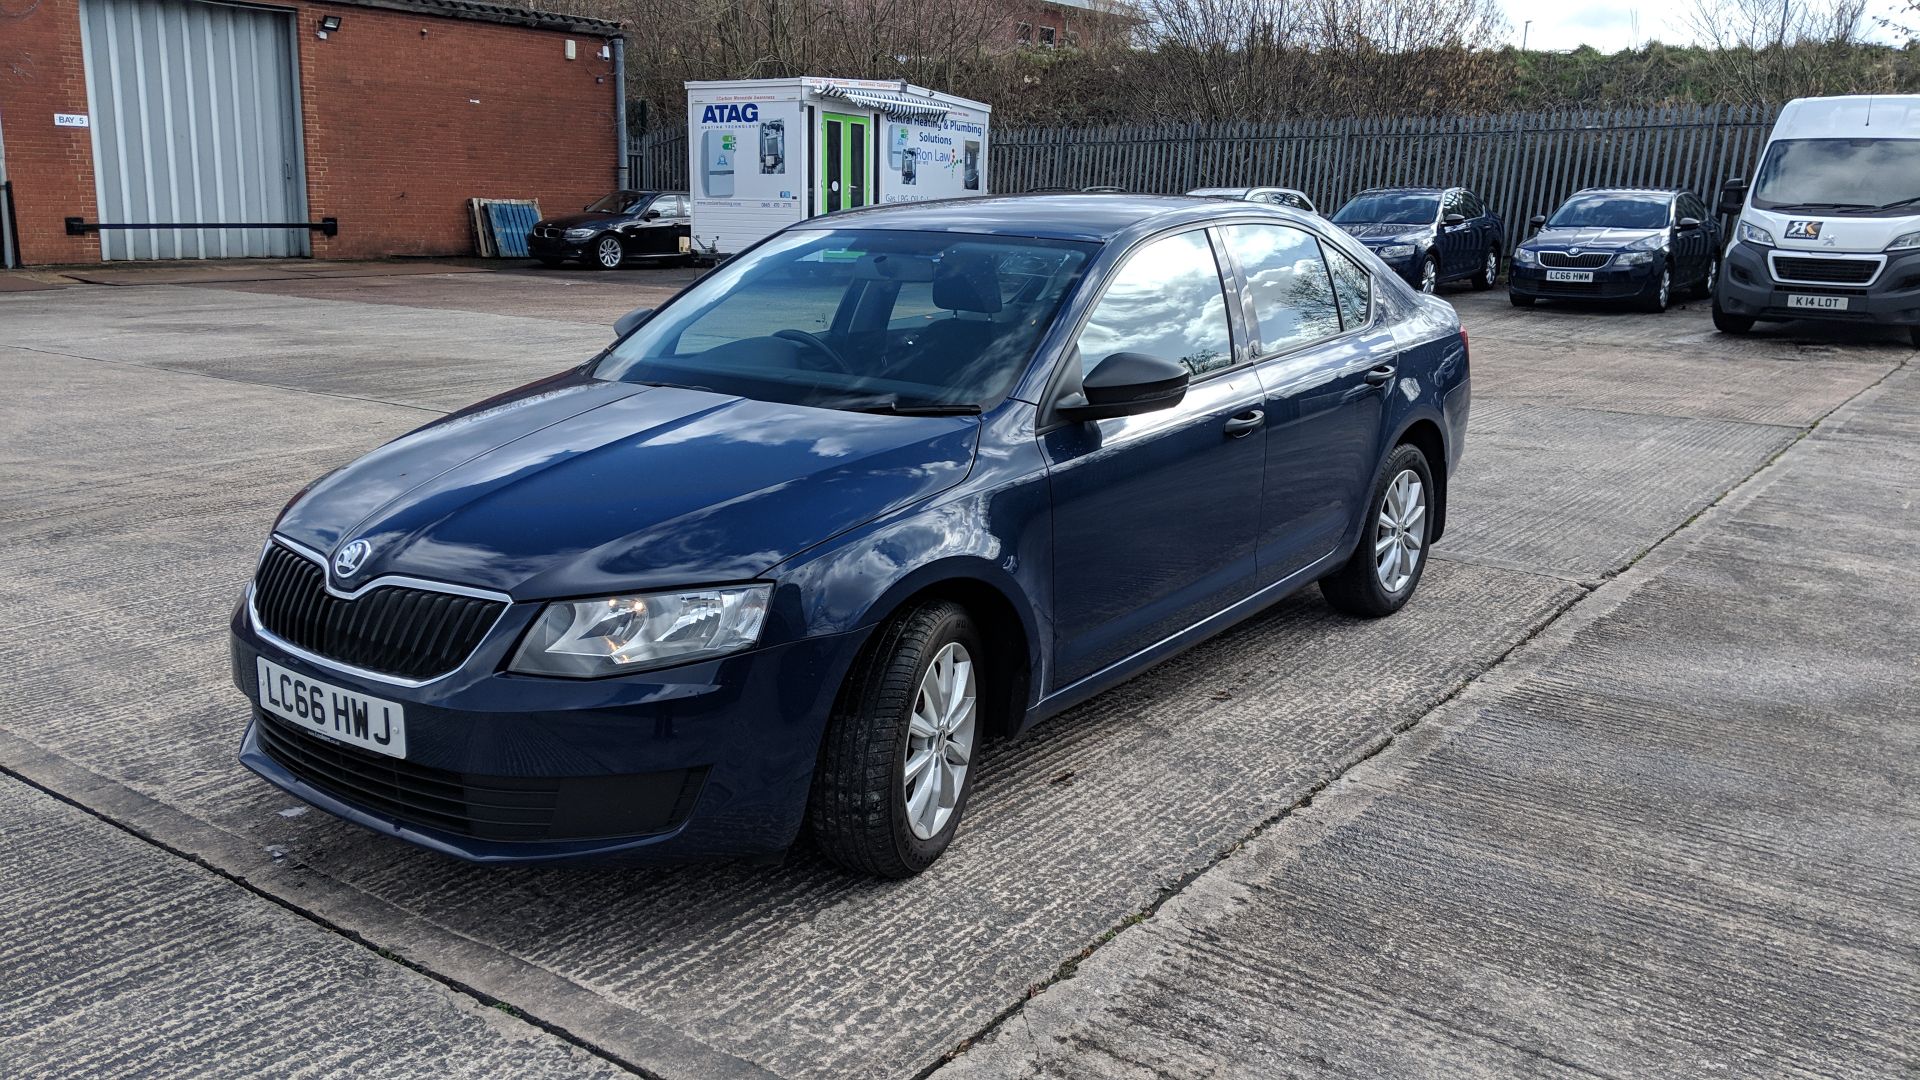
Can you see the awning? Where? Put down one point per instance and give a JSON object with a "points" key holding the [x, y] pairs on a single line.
{"points": [[893, 105]]}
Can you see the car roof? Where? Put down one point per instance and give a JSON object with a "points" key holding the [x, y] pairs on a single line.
{"points": [[1071, 216], [1410, 190], [1629, 191]]}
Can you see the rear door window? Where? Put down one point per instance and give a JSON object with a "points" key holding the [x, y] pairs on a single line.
{"points": [[1293, 301]]}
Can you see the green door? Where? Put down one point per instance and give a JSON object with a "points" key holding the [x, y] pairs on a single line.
{"points": [[845, 162]]}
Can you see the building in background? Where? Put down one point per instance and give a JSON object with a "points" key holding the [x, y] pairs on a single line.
{"points": [[384, 115], [1048, 24]]}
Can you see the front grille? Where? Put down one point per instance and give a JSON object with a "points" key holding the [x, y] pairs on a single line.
{"points": [[1586, 260], [509, 808], [1825, 271], [411, 633]]}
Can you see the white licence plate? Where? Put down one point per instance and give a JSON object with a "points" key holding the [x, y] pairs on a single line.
{"points": [[1817, 303], [1569, 275], [333, 712]]}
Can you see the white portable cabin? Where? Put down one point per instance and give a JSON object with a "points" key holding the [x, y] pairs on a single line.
{"points": [[765, 153]]}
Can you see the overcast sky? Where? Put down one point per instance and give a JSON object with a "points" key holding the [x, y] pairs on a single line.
{"points": [[1611, 25]]}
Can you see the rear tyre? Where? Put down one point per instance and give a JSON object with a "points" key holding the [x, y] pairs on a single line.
{"points": [[1522, 301], [608, 253], [896, 766], [1386, 565], [1731, 324], [1661, 294], [1489, 271]]}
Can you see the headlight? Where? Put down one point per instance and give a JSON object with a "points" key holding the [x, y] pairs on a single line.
{"points": [[580, 234], [1525, 257], [1754, 234], [616, 634], [1396, 251], [1905, 241], [1635, 258]]}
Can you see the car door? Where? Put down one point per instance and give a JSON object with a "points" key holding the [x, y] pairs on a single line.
{"points": [[1154, 515], [1325, 369], [653, 229], [1691, 247], [1485, 230], [1456, 241]]}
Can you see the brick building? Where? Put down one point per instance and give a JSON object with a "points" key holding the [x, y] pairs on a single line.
{"points": [[386, 115], [1049, 24]]}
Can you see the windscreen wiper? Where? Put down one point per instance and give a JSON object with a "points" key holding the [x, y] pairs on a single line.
{"points": [[893, 407], [1896, 204], [1799, 207]]}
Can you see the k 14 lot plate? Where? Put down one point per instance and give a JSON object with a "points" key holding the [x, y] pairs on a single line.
{"points": [[1569, 275], [334, 712], [1817, 303]]}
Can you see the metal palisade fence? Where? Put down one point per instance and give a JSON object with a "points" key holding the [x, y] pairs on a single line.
{"points": [[1522, 164]]}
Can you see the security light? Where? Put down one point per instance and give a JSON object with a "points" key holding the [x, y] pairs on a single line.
{"points": [[330, 23]]}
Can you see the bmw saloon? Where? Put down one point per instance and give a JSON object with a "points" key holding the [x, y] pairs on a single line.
{"points": [[889, 484]]}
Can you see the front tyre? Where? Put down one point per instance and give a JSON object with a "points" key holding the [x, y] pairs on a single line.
{"points": [[1386, 566], [1430, 274], [898, 756], [1730, 324], [1661, 294]]}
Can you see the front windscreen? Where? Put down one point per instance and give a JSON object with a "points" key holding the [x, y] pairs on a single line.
{"points": [[1389, 209], [860, 319], [1860, 176], [616, 203], [1612, 212]]}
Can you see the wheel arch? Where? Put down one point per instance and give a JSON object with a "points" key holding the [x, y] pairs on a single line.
{"points": [[1425, 435]]}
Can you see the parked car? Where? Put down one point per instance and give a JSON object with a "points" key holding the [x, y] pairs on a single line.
{"points": [[1429, 236], [793, 546], [1831, 227], [1635, 244], [1275, 196], [616, 229]]}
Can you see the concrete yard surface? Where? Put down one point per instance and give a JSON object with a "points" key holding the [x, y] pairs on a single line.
{"points": [[1676, 834], [1626, 788]]}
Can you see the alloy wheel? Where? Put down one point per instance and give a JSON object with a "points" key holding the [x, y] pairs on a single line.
{"points": [[1429, 276], [1401, 531], [1666, 288], [1493, 268], [940, 738], [1713, 277], [609, 252]]}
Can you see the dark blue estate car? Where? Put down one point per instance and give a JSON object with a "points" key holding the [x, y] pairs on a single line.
{"points": [[886, 484], [1633, 244], [1429, 236]]}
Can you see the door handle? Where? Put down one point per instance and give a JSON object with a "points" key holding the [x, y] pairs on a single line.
{"points": [[1381, 375], [1242, 425]]}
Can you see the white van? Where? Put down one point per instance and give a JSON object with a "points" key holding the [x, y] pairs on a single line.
{"points": [[1830, 227]]}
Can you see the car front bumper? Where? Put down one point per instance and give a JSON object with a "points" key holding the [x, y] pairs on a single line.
{"points": [[1747, 288], [710, 759], [1407, 266], [542, 247], [1609, 283]]}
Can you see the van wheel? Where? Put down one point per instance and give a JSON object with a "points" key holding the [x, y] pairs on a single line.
{"points": [[1731, 324], [897, 763], [1386, 565]]}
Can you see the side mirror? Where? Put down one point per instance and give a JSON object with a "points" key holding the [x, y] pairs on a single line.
{"points": [[1127, 384], [626, 324], [1733, 195], [650, 215], [1538, 221], [1453, 219], [1687, 224]]}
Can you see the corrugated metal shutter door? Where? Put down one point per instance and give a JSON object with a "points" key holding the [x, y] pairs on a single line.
{"points": [[194, 119]]}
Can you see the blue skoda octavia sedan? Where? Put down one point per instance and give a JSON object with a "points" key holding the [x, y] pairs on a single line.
{"points": [[886, 485]]}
